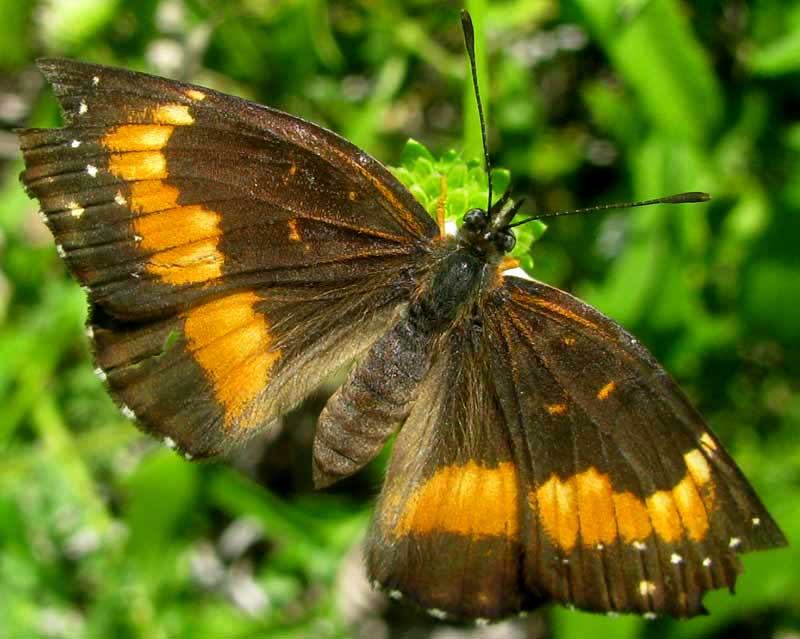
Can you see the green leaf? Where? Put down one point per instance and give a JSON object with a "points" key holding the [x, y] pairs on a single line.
{"points": [[15, 33], [159, 497], [67, 25], [413, 151], [659, 57], [781, 54], [467, 188]]}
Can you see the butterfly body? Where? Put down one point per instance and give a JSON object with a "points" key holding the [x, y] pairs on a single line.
{"points": [[382, 389], [234, 256]]}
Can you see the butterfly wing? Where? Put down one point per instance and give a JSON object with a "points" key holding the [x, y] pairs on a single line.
{"points": [[233, 255], [446, 530], [560, 464], [631, 503]]}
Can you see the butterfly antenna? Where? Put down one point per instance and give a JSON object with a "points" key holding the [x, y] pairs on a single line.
{"points": [[680, 198], [469, 41]]}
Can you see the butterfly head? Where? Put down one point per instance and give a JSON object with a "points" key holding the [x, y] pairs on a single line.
{"points": [[489, 232]]}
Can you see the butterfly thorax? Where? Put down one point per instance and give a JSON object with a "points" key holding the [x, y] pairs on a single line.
{"points": [[464, 266], [449, 290]]}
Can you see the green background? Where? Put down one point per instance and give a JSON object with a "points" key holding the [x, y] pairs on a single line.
{"points": [[105, 534]]}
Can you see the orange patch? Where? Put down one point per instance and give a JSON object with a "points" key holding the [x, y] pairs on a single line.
{"points": [[294, 234], [176, 226], [556, 505], [582, 505], [633, 522], [585, 506], [664, 515], [194, 94], [471, 500], [604, 392], [177, 114], [137, 137], [556, 409], [698, 466], [138, 165], [149, 196], [691, 509], [569, 341], [351, 195], [595, 508], [231, 342], [184, 241]]}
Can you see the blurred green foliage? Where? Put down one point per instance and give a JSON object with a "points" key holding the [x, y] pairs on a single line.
{"points": [[103, 533]]}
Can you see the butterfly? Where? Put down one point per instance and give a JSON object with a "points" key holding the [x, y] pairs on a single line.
{"points": [[234, 256]]}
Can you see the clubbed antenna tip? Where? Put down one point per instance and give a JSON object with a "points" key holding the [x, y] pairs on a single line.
{"points": [[469, 42]]}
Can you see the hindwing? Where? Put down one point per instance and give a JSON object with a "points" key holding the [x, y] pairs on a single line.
{"points": [[446, 530]]}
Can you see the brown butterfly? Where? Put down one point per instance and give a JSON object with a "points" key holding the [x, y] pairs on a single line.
{"points": [[234, 256]]}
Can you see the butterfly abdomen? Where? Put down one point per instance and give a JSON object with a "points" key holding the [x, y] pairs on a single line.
{"points": [[378, 396], [362, 414]]}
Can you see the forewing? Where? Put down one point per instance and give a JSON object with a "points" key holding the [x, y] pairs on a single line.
{"points": [[233, 255], [629, 503], [160, 193]]}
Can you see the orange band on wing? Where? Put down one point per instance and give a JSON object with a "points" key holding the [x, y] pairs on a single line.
{"points": [[586, 507], [137, 137], [182, 239], [149, 196], [232, 342], [471, 500], [138, 165], [557, 507], [137, 148], [633, 520]]}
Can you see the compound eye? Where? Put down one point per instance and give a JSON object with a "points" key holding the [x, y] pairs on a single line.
{"points": [[475, 219], [505, 241]]}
